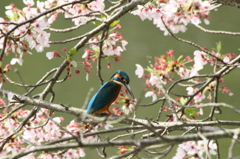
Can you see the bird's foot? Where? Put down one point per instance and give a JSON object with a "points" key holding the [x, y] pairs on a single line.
{"points": [[109, 113]]}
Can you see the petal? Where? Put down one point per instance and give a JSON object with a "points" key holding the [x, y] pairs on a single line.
{"points": [[149, 94], [74, 63], [20, 62], [124, 43], [154, 97], [82, 153], [226, 59], [139, 71], [85, 54], [190, 90], [13, 61], [195, 20], [87, 77], [50, 55], [153, 80]]}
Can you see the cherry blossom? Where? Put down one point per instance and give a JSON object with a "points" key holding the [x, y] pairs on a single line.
{"points": [[173, 15], [79, 11], [113, 46], [197, 98], [47, 132], [110, 48], [195, 150], [166, 69], [212, 147], [128, 109], [30, 35], [199, 60], [97, 5], [129, 106], [74, 153], [16, 60], [186, 73], [154, 80]]}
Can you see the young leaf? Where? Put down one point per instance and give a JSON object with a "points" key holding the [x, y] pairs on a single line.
{"points": [[96, 23], [179, 58], [219, 46], [115, 22], [190, 112], [149, 69], [71, 54], [183, 100]]}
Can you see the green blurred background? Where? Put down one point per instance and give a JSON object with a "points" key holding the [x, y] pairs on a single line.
{"points": [[143, 39]]}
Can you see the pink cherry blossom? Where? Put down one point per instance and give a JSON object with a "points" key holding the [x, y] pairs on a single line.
{"points": [[32, 35], [199, 60], [186, 73], [190, 147], [97, 5], [195, 150], [181, 153], [42, 41], [29, 3], [40, 24], [173, 15], [40, 6], [212, 148], [197, 98], [128, 110], [154, 80], [141, 12]]}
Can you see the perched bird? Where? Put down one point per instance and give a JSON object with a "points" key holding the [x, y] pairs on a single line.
{"points": [[107, 94]]}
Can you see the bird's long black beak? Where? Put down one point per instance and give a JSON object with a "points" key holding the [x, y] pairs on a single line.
{"points": [[129, 90]]}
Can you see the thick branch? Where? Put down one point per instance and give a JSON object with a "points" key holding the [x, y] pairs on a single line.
{"points": [[174, 139], [233, 3]]}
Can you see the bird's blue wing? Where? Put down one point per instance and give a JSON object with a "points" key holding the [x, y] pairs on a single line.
{"points": [[104, 95]]}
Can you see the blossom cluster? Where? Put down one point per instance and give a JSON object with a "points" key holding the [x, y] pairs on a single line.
{"points": [[167, 69], [26, 32], [79, 13], [195, 149], [176, 14], [23, 35], [112, 46], [42, 129]]}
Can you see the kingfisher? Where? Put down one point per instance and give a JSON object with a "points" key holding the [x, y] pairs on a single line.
{"points": [[108, 93]]}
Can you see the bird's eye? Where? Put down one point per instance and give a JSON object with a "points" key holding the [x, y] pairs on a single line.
{"points": [[124, 80]]}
